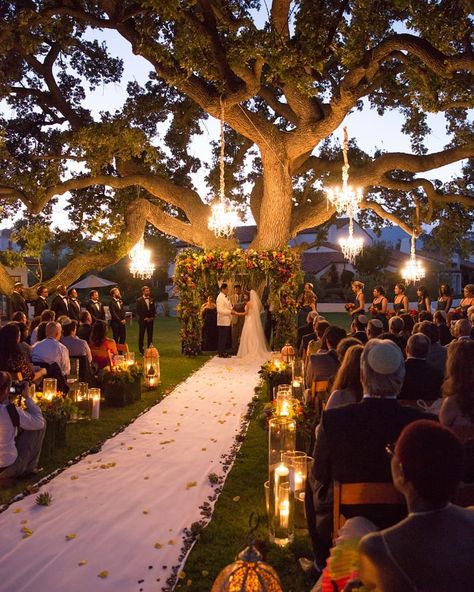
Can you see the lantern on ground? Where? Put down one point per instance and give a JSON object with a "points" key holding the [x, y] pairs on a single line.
{"points": [[248, 573], [81, 395], [297, 378], [288, 353], [94, 396], [151, 367], [297, 462]]}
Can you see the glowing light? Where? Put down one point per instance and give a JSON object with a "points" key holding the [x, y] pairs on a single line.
{"points": [[413, 271], [141, 266]]}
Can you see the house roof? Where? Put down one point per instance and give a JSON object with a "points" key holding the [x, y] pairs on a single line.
{"points": [[317, 262]]}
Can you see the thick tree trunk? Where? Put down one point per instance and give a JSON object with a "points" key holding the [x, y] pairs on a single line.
{"points": [[275, 209]]}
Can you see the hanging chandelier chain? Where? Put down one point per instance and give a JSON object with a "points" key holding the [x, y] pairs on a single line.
{"points": [[345, 166], [222, 153]]}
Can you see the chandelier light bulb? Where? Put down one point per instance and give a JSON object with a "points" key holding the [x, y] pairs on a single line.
{"points": [[224, 218], [141, 266], [351, 246]]}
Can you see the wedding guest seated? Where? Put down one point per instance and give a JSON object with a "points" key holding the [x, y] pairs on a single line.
{"points": [[324, 365], [424, 315], [101, 345], [461, 330], [431, 549], [344, 345], [350, 445], [24, 345], [50, 351], [85, 325], [439, 319], [396, 325], [374, 328], [347, 387], [20, 317], [457, 409], [306, 329], [12, 358], [437, 354], [422, 381], [408, 324], [35, 321], [46, 317], [398, 340], [359, 327], [75, 345], [21, 434], [314, 345]]}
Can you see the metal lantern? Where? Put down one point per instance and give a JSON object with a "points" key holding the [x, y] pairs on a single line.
{"points": [[288, 353], [248, 574], [151, 367]]}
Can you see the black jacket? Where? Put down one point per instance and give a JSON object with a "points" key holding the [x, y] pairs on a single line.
{"points": [[17, 304], [422, 381], [60, 306], [143, 311], [97, 314], [74, 309], [117, 313], [40, 304], [350, 448]]}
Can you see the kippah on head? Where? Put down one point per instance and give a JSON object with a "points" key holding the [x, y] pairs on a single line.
{"points": [[363, 319], [376, 323], [385, 357], [432, 459]]}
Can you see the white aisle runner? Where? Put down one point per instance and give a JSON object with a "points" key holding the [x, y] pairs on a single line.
{"points": [[121, 513]]}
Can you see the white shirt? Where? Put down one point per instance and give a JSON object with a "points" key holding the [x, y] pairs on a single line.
{"points": [[77, 346], [31, 419], [49, 351], [224, 310]]}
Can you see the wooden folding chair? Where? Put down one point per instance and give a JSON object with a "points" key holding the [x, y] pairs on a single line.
{"points": [[122, 348], [356, 494]]}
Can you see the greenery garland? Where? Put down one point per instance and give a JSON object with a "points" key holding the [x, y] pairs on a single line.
{"points": [[199, 273]]}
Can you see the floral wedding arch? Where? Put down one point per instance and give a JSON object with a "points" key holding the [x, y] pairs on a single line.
{"points": [[199, 274]]}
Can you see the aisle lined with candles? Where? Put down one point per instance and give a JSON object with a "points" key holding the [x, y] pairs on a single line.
{"points": [[118, 518]]}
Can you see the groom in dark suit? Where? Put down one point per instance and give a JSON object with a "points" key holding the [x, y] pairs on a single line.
{"points": [[351, 442], [146, 316]]}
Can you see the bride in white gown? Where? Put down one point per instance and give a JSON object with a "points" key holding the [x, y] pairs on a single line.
{"points": [[252, 340]]}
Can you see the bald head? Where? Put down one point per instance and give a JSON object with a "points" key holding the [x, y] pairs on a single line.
{"points": [[418, 346], [53, 330], [462, 328]]}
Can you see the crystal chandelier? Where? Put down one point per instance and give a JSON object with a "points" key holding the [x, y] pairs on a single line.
{"points": [[224, 217], [413, 271], [346, 198], [351, 246], [141, 266]]}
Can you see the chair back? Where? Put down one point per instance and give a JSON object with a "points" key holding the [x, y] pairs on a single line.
{"points": [[85, 371], [122, 348], [357, 494]]}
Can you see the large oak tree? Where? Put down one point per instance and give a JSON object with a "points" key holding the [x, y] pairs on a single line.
{"points": [[286, 74]]}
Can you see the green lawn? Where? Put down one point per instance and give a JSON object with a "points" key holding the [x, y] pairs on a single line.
{"points": [[84, 435]]}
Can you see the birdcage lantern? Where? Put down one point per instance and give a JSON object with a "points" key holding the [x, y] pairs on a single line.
{"points": [[151, 367], [248, 573], [288, 353]]}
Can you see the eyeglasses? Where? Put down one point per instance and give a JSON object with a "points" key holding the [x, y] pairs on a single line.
{"points": [[390, 450]]}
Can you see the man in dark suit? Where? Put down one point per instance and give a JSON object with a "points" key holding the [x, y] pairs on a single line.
{"points": [[325, 364], [422, 380], [308, 331], [85, 325], [60, 303], [146, 315], [117, 316], [95, 306], [41, 303], [74, 304], [17, 301], [351, 441]]}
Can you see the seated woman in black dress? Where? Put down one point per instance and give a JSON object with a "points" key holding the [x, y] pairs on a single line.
{"points": [[445, 299], [424, 302], [400, 302], [209, 327]]}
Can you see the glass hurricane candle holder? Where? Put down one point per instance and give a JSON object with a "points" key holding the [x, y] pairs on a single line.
{"points": [[297, 462], [119, 360], [94, 396], [281, 525], [82, 401], [297, 378], [282, 435], [130, 358], [50, 388], [284, 403]]}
